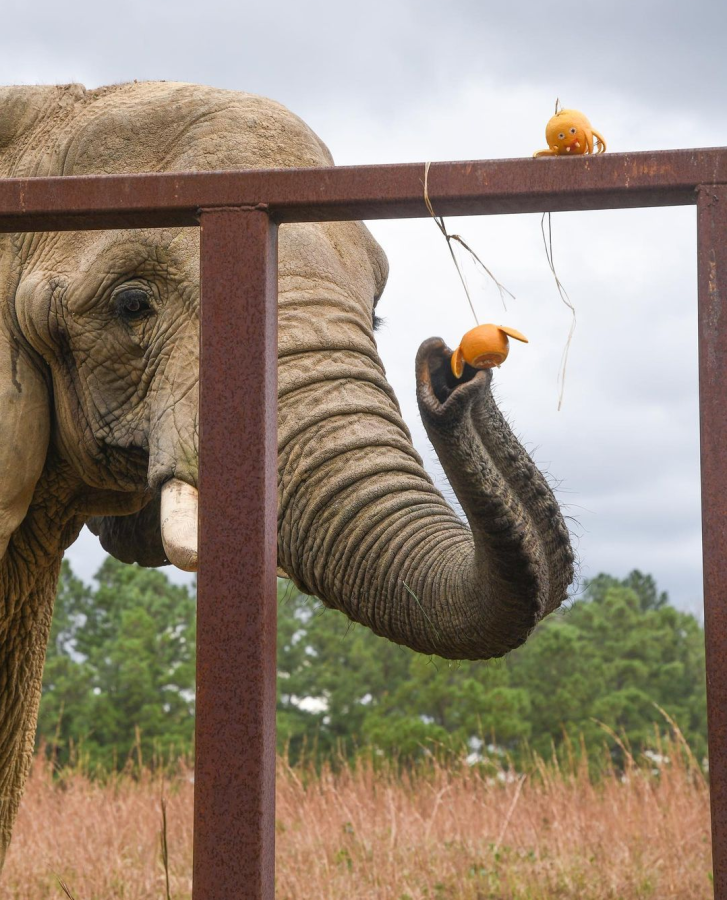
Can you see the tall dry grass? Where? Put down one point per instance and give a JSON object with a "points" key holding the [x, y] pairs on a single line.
{"points": [[443, 831]]}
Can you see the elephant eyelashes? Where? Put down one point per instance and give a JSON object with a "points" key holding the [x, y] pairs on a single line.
{"points": [[132, 304]]}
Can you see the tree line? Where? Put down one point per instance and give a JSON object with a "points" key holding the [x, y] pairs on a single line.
{"points": [[619, 660]]}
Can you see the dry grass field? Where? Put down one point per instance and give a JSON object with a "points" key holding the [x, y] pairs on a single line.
{"points": [[444, 832]]}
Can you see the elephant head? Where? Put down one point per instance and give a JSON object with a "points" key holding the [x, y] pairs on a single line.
{"points": [[99, 406]]}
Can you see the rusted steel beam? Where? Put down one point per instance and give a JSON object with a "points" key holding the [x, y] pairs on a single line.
{"points": [[485, 187], [234, 789], [712, 283]]}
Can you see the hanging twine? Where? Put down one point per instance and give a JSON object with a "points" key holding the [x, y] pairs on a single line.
{"points": [[439, 221], [548, 244]]}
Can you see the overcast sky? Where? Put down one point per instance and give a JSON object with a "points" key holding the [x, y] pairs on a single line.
{"points": [[405, 81]]}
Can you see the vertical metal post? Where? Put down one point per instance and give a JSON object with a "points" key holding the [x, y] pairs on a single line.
{"points": [[234, 791], [712, 280]]}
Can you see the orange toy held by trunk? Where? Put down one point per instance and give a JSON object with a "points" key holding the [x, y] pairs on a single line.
{"points": [[569, 133], [484, 347]]}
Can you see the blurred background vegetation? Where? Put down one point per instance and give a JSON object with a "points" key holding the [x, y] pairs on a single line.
{"points": [[119, 679]]}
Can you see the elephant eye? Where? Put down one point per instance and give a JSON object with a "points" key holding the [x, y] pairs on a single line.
{"points": [[132, 303]]}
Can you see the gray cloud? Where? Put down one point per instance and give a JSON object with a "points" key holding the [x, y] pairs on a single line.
{"points": [[382, 55]]}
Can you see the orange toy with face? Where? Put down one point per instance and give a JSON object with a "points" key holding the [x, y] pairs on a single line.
{"points": [[569, 133], [484, 347]]}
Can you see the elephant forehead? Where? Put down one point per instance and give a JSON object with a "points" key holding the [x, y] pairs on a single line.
{"points": [[166, 126], [163, 126]]}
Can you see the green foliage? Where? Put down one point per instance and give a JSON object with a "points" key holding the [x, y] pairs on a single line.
{"points": [[611, 659], [122, 657], [642, 585]]}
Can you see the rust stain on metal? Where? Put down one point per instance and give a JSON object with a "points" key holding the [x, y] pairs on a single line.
{"points": [[713, 284], [712, 314], [234, 813], [712, 271], [475, 187]]}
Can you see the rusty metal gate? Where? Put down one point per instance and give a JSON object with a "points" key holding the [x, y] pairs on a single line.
{"points": [[238, 213]]}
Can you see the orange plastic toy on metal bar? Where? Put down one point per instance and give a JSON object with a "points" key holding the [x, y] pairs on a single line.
{"points": [[570, 133], [484, 347]]}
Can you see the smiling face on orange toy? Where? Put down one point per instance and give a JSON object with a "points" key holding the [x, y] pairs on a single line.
{"points": [[569, 133], [484, 347]]}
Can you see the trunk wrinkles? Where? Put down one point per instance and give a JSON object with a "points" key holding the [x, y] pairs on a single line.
{"points": [[362, 526]]}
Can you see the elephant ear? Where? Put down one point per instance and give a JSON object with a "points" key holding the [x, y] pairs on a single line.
{"points": [[136, 538], [24, 400], [24, 434]]}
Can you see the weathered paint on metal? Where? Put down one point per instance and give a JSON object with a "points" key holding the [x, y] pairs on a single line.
{"points": [[481, 187], [712, 279], [234, 789]]}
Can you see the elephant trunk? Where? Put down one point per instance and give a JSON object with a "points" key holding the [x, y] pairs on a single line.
{"points": [[362, 526]]}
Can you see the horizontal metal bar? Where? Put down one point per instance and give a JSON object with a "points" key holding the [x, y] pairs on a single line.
{"points": [[485, 187]]}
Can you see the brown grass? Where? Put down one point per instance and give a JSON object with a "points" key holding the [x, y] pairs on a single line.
{"points": [[443, 832]]}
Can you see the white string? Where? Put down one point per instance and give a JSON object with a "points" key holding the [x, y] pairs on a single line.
{"points": [[548, 244], [439, 221]]}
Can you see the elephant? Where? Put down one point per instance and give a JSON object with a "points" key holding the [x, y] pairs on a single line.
{"points": [[99, 407]]}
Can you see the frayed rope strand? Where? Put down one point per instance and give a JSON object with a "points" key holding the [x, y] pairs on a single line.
{"points": [[548, 244], [439, 221]]}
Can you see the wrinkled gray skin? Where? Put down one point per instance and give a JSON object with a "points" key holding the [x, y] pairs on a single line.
{"points": [[98, 410]]}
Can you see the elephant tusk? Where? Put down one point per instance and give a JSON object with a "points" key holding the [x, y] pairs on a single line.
{"points": [[179, 524]]}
